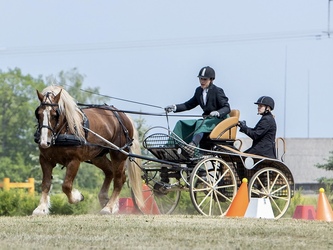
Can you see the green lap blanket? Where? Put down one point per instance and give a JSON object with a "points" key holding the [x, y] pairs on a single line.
{"points": [[185, 129]]}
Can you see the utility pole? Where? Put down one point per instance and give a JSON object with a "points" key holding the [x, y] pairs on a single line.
{"points": [[308, 104], [329, 19], [285, 91]]}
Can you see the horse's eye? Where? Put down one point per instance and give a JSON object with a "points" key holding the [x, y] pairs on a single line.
{"points": [[54, 115]]}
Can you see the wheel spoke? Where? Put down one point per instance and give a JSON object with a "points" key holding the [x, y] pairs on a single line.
{"points": [[275, 204], [268, 182], [222, 176], [202, 189], [277, 190], [204, 199], [221, 194], [205, 181], [275, 180], [279, 198], [207, 172], [261, 184]]}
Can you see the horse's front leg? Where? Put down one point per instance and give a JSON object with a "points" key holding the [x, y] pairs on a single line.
{"points": [[119, 179], [44, 203], [73, 195]]}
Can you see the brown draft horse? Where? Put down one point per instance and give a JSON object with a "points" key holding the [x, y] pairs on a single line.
{"points": [[60, 121]]}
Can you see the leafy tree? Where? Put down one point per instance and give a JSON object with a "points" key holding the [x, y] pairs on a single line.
{"points": [[17, 123], [329, 163], [141, 126], [327, 166]]}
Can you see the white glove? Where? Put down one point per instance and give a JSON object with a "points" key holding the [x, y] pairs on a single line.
{"points": [[170, 108], [215, 114]]}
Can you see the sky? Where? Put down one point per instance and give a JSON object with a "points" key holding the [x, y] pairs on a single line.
{"points": [[151, 51]]}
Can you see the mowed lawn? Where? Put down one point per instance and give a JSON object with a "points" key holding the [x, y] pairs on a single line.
{"points": [[162, 232]]}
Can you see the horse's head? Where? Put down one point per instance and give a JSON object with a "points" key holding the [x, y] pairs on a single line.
{"points": [[48, 116], [57, 113]]}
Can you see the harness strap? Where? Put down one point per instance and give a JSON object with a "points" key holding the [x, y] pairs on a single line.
{"points": [[85, 123], [125, 130]]}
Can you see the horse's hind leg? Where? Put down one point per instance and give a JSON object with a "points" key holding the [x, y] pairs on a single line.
{"points": [[106, 166], [44, 203], [119, 179], [73, 195]]}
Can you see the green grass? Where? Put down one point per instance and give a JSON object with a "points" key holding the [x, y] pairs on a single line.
{"points": [[162, 232], [68, 228]]}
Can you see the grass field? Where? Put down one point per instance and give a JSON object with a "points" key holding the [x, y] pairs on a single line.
{"points": [[162, 232]]}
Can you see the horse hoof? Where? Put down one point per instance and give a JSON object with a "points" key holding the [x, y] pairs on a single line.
{"points": [[75, 197], [40, 212], [105, 211]]}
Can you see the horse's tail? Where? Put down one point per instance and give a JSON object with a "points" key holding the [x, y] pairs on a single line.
{"points": [[134, 170]]}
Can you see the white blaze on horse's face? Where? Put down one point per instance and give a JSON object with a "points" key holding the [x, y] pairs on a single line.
{"points": [[46, 135]]}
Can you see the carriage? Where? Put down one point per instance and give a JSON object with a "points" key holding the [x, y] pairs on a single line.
{"points": [[212, 175]]}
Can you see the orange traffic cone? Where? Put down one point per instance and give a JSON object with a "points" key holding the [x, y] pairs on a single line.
{"points": [[240, 202], [149, 201], [324, 209], [126, 206]]}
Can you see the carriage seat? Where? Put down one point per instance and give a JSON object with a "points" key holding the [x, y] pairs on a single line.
{"points": [[226, 129]]}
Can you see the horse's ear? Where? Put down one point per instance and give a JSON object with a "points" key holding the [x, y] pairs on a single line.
{"points": [[57, 97], [40, 96]]}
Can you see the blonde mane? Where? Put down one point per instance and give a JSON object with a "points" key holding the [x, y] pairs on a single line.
{"points": [[69, 108]]}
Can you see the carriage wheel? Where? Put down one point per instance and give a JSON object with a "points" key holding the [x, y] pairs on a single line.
{"points": [[159, 197], [271, 183], [212, 186]]}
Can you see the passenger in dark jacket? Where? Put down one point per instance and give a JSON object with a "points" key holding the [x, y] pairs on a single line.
{"points": [[263, 134]]}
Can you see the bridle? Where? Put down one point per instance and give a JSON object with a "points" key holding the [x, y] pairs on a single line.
{"points": [[54, 133]]}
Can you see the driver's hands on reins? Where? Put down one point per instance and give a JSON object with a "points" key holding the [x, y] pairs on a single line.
{"points": [[170, 108], [214, 114], [242, 126]]}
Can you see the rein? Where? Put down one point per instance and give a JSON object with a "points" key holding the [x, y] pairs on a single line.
{"points": [[166, 114], [104, 106]]}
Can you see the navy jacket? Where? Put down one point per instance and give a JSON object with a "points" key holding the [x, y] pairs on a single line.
{"points": [[263, 136], [216, 101]]}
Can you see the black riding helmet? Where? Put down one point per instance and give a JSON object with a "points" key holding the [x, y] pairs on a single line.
{"points": [[207, 72], [266, 100]]}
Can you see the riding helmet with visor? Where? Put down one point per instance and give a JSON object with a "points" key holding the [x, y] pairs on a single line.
{"points": [[266, 100], [207, 72]]}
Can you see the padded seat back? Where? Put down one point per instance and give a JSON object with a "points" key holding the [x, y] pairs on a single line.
{"points": [[226, 129]]}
